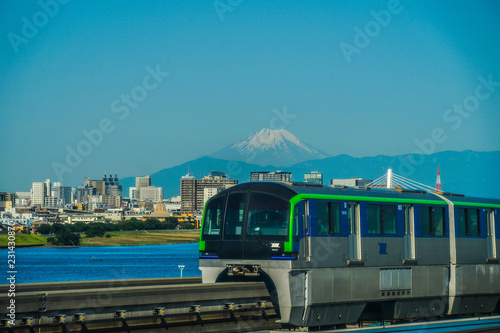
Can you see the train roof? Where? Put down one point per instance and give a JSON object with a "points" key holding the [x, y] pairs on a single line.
{"points": [[289, 190]]}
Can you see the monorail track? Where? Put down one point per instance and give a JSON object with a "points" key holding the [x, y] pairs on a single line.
{"points": [[146, 305]]}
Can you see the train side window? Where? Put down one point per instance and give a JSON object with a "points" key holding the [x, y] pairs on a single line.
{"points": [[328, 214], [432, 221], [467, 222], [213, 217], [461, 226], [473, 219], [425, 221], [438, 218], [381, 220], [234, 215], [373, 215]]}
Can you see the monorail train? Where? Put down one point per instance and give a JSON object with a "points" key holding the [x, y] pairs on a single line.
{"points": [[331, 256]]}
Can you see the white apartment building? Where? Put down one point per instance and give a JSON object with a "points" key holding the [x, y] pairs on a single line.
{"points": [[151, 193], [37, 193]]}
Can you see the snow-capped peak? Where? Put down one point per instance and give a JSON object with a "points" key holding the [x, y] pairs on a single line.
{"points": [[270, 147], [268, 138]]}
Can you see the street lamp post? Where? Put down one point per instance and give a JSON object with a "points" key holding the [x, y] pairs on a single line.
{"points": [[181, 267]]}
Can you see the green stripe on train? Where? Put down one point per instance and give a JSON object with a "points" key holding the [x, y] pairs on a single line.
{"points": [[201, 246], [299, 197], [475, 204], [293, 201]]}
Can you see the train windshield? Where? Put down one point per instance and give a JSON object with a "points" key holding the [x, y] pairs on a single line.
{"points": [[267, 215], [247, 215]]}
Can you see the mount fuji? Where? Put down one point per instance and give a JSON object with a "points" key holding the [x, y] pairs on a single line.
{"points": [[270, 147]]}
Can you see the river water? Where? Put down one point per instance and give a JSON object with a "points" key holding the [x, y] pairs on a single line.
{"points": [[41, 264]]}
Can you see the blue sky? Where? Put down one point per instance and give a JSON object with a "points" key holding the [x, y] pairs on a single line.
{"points": [[202, 74]]}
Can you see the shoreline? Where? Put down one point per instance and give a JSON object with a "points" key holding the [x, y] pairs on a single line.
{"points": [[124, 238], [22, 245], [89, 245]]}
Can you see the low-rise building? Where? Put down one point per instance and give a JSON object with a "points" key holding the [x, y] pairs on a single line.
{"points": [[270, 176], [18, 224], [23, 199], [355, 181], [314, 177], [7, 200]]}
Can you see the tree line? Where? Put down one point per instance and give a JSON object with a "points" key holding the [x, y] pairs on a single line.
{"points": [[68, 234]]}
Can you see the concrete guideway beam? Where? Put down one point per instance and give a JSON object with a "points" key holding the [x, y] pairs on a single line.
{"points": [[101, 304]]}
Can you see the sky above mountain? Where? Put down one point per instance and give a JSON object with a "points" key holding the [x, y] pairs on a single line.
{"points": [[138, 86]]}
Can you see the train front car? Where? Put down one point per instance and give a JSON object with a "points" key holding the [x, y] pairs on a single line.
{"points": [[332, 256], [248, 235]]}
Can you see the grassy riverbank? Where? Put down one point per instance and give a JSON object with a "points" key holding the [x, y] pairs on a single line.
{"points": [[23, 240], [121, 238]]}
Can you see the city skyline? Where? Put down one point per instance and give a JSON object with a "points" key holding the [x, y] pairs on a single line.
{"points": [[145, 86]]}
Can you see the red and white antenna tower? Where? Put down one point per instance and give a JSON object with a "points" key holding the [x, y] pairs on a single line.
{"points": [[438, 181]]}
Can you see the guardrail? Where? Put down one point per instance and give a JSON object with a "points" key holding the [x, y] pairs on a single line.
{"points": [[73, 285]]}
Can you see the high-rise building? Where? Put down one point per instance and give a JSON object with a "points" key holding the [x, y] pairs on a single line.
{"points": [[112, 186], [141, 182], [85, 192], [193, 190], [38, 193], [132, 193], [100, 186], [62, 195], [48, 187], [217, 179], [271, 176], [188, 193], [314, 177], [47, 194]]}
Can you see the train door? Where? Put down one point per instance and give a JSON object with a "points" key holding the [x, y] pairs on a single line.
{"points": [[491, 239], [409, 237], [232, 245], [354, 232]]}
